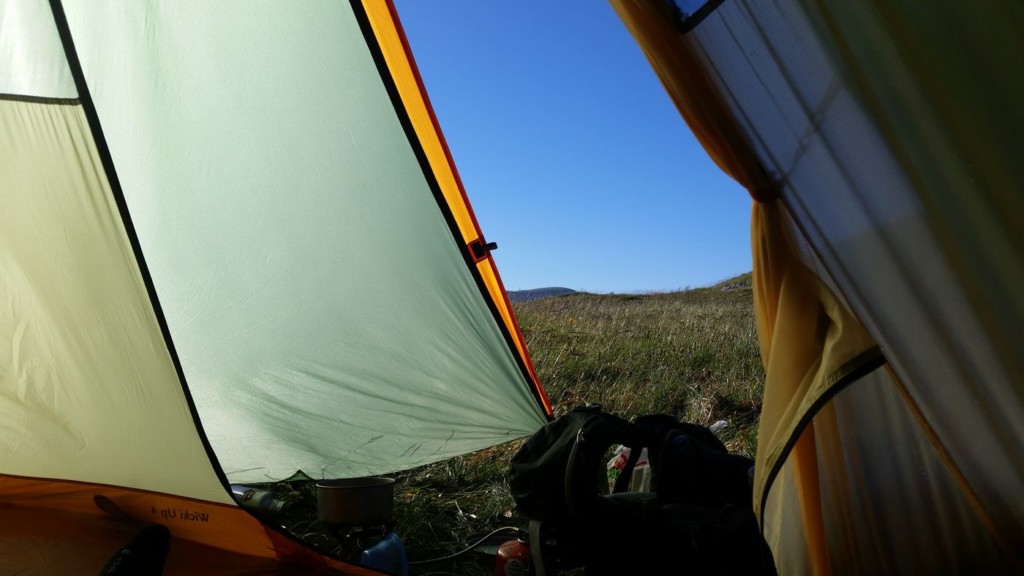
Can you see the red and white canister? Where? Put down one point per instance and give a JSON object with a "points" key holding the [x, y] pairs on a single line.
{"points": [[513, 558]]}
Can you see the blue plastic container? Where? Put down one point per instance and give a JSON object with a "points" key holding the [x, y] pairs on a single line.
{"points": [[388, 555]]}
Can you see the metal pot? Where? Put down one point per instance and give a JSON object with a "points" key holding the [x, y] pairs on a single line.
{"points": [[368, 501]]}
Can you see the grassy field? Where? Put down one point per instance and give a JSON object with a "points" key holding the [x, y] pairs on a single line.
{"points": [[692, 354]]}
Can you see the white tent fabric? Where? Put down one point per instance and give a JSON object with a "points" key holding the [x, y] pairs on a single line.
{"points": [[232, 247], [88, 392], [321, 312], [32, 61], [324, 316]]}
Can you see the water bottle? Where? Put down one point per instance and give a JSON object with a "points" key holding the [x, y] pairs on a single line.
{"points": [[259, 499]]}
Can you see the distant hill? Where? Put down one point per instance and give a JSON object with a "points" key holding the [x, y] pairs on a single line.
{"points": [[527, 295], [741, 282]]}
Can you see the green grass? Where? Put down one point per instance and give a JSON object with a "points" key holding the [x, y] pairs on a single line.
{"points": [[692, 354]]}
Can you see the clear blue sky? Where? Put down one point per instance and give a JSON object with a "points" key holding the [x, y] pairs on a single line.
{"points": [[573, 156]]}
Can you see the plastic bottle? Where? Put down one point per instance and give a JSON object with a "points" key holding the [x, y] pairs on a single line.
{"points": [[259, 499], [513, 558]]}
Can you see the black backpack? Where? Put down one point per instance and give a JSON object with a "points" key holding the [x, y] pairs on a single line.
{"points": [[698, 518]]}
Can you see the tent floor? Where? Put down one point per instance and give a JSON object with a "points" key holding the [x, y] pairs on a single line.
{"points": [[37, 542]]}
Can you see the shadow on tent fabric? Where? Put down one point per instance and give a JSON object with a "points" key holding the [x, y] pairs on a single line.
{"points": [[144, 555]]}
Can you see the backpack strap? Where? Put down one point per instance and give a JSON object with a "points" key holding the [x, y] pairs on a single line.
{"points": [[577, 497], [536, 556]]}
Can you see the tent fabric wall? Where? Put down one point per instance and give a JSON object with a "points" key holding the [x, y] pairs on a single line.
{"points": [[397, 55], [810, 343], [868, 511], [89, 391], [872, 124], [227, 254], [808, 339], [46, 74], [284, 207], [944, 86]]}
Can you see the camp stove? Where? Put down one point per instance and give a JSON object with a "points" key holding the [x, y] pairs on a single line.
{"points": [[353, 540]]}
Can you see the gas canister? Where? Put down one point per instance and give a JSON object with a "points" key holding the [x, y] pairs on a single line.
{"points": [[513, 558]]}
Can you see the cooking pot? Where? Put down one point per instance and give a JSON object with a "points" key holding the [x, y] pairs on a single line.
{"points": [[368, 501]]}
